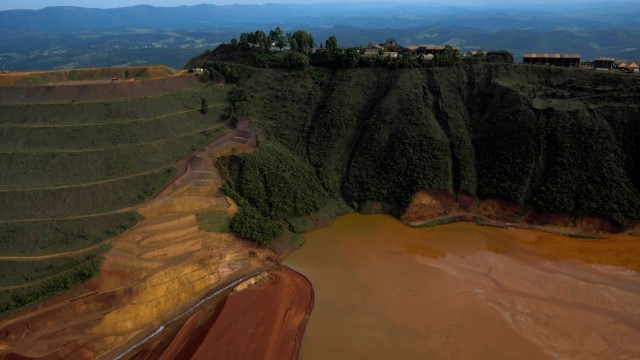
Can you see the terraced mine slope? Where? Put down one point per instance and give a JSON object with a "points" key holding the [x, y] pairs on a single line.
{"points": [[155, 276], [77, 159], [76, 76]]}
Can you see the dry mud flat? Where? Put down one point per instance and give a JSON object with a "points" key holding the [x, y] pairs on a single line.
{"points": [[461, 291], [152, 275]]}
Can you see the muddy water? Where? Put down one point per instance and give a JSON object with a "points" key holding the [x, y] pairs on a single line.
{"points": [[461, 291]]}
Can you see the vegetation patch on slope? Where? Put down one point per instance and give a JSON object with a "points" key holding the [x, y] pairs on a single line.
{"points": [[56, 236], [38, 280]]}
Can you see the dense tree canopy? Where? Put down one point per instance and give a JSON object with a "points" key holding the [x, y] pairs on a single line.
{"points": [[303, 41]]}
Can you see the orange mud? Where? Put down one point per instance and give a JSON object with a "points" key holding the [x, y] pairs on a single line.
{"points": [[461, 291], [264, 318], [152, 274]]}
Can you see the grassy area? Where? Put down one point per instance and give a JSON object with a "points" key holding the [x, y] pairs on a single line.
{"points": [[41, 169], [148, 107], [106, 73], [82, 200], [56, 236], [28, 272], [107, 135], [35, 280], [69, 169], [214, 221]]}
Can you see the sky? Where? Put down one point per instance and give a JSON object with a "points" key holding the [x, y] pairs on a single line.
{"points": [[39, 4]]}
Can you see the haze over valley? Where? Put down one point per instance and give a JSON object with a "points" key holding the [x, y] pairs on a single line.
{"points": [[67, 37]]}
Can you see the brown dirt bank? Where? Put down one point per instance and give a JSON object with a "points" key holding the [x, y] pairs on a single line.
{"points": [[265, 320], [94, 91], [564, 241], [433, 206], [461, 291]]}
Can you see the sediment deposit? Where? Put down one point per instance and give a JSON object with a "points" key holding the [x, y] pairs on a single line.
{"points": [[384, 290]]}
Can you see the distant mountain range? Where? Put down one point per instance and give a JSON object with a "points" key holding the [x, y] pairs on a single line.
{"points": [[59, 37]]}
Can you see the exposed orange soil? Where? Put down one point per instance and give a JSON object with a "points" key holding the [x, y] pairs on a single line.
{"points": [[152, 274], [261, 322], [430, 205]]}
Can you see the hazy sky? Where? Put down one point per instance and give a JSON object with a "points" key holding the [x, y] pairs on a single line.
{"points": [[38, 4]]}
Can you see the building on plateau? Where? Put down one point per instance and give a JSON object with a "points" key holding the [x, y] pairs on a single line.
{"points": [[418, 50], [603, 63], [565, 60], [371, 51], [379, 50], [628, 66]]}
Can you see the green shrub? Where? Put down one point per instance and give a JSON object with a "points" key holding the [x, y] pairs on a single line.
{"points": [[248, 223]]}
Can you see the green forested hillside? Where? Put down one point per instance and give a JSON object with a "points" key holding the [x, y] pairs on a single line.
{"points": [[561, 140]]}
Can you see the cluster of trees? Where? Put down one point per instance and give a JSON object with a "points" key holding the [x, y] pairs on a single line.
{"points": [[563, 161], [381, 135], [349, 58], [255, 49], [271, 184], [260, 39], [328, 54], [298, 41], [586, 176]]}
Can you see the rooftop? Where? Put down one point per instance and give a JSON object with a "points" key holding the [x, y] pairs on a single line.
{"points": [[430, 47], [552, 56]]}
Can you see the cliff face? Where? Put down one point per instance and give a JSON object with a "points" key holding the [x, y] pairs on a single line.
{"points": [[553, 140]]}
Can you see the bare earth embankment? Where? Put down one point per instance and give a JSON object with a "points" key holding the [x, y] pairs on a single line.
{"points": [[266, 321], [263, 318]]}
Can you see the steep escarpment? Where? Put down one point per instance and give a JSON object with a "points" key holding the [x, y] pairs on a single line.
{"points": [[546, 140]]}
